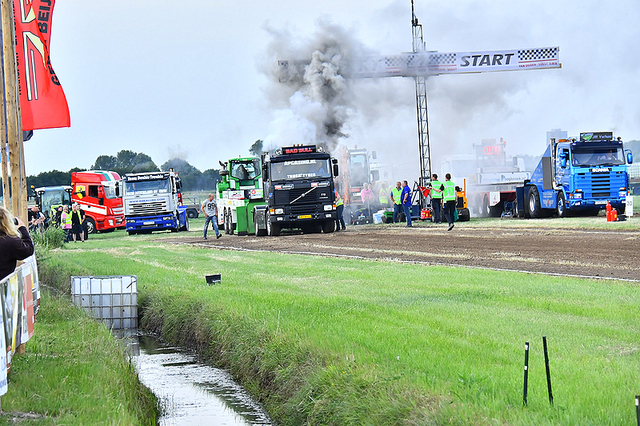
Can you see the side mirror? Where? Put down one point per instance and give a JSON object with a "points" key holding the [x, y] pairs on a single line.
{"points": [[629, 157], [373, 155], [335, 170]]}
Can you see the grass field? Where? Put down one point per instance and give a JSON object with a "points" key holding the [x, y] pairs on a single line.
{"points": [[74, 373], [323, 341]]}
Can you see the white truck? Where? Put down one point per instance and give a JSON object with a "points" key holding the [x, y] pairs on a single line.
{"points": [[152, 202]]}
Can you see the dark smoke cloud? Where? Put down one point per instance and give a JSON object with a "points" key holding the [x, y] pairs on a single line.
{"points": [[316, 101]]}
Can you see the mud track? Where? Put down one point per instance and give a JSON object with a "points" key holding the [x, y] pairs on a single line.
{"points": [[612, 254]]}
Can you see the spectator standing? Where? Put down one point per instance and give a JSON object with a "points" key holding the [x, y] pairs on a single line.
{"points": [[210, 210], [65, 221], [15, 242], [36, 219], [77, 219], [382, 195], [436, 198], [368, 197], [449, 197], [339, 209], [396, 199], [55, 217], [406, 201]]}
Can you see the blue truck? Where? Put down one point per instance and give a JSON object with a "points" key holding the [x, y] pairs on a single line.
{"points": [[153, 202], [578, 176]]}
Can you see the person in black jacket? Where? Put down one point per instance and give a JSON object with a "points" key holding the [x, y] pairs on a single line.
{"points": [[15, 242]]}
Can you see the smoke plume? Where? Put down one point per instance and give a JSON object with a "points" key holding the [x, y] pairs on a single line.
{"points": [[313, 97]]}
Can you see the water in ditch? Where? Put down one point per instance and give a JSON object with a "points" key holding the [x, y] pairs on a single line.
{"points": [[190, 392]]}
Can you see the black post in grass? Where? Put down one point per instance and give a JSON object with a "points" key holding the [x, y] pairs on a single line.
{"points": [[638, 409], [526, 372], [546, 364]]}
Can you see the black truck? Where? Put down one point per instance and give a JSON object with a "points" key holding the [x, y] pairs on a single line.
{"points": [[299, 190]]}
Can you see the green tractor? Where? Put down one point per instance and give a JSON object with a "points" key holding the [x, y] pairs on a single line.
{"points": [[238, 193]]}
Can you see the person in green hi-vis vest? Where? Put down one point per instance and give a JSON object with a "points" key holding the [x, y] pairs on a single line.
{"points": [[436, 198], [449, 198]]}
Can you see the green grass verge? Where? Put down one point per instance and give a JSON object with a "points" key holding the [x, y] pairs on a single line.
{"points": [[324, 341], [74, 373]]}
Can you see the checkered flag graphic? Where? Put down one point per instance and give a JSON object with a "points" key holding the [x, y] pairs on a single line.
{"points": [[547, 53], [442, 59]]}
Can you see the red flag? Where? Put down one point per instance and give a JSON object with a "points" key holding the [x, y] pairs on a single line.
{"points": [[42, 100]]}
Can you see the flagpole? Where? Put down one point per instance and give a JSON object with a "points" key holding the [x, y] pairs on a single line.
{"points": [[14, 125]]}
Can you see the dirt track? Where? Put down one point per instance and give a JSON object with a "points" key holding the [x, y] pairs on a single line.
{"points": [[592, 253]]}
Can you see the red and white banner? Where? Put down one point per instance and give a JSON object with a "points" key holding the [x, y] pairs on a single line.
{"points": [[42, 101]]}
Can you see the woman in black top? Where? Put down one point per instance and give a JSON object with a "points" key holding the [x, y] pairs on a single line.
{"points": [[15, 242]]}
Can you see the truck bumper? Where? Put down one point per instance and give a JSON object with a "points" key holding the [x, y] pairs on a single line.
{"points": [[595, 204], [293, 221], [152, 223], [110, 222]]}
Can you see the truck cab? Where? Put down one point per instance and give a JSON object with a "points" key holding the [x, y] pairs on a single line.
{"points": [[580, 175], [299, 189], [239, 191], [49, 198], [98, 193], [152, 202]]}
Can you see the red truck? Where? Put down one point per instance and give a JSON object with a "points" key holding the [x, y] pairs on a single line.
{"points": [[98, 193]]}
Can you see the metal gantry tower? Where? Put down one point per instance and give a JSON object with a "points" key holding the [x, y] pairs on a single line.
{"points": [[421, 103]]}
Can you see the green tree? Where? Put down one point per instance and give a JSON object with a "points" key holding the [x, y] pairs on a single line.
{"points": [[105, 162]]}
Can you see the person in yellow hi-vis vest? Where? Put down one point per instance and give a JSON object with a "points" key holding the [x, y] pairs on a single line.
{"points": [[449, 197], [382, 195], [339, 202], [396, 199], [65, 222], [436, 198]]}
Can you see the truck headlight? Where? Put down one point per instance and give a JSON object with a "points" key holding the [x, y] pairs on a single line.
{"points": [[622, 194], [279, 211], [577, 195], [328, 207], [167, 217]]}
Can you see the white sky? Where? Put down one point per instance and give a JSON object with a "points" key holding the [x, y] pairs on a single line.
{"points": [[183, 79]]}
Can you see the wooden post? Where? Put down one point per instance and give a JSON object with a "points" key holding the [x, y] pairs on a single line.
{"points": [[14, 122], [3, 149]]}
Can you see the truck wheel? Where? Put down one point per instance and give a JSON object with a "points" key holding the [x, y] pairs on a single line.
{"points": [[272, 230], [91, 225], [259, 232], [225, 219], [328, 226], [486, 208], [132, 232], [192, 213], [534, 203], [520, 209], [185, 227], [561, 206]]}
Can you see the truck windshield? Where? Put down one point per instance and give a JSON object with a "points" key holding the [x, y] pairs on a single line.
{"points": [[359, 169], [56, 197], [148, 187], [110, 191], [300, 169], [597, 156], [245, 170]]}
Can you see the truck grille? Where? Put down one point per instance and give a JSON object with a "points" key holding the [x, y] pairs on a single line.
{"points": [[147, 209], [303, 208], [283, 197], [601, 185]]}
